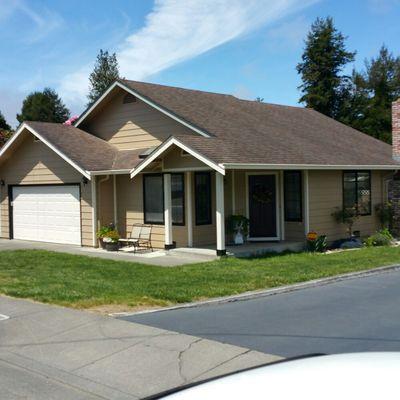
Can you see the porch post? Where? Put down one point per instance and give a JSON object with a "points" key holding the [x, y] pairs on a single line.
{"points": [[189, 208], [169, 244], [306, 203], [94, 210], [220, 214], [115, 200]]}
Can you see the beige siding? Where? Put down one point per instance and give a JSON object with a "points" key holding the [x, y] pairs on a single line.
{"points": [[34, 163], [133, 125], [174, 159], [326, 194]]}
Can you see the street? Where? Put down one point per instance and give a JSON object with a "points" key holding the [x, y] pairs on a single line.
{"points": [[350, 316]]}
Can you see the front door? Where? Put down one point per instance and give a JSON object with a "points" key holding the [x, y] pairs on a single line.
{"points": [[262, 206]]}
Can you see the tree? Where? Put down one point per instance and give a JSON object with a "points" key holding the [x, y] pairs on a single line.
{"points": [[105, 72], [44, 106], [323, 60], [3, 123], [376, 88]]}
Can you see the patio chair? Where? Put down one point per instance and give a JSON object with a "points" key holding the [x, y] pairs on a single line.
{"points": [[134, 237], [145, 237]]}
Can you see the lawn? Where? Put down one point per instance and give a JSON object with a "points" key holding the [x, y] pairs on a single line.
{"points": [[85, 282]]}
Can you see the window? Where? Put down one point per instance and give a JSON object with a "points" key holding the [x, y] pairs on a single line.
{"points": [[153, 199], [153, 194], [357, 191], [293, 196], [178, 199], [202, 181]]}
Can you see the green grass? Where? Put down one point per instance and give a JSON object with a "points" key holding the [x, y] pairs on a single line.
{"points": [[83, 282]]}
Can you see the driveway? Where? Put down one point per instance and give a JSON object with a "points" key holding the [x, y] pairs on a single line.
{"points": [[51, 352], [354, 315]]}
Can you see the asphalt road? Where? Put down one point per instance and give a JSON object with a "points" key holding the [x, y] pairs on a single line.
{"points": [[355, 315]]}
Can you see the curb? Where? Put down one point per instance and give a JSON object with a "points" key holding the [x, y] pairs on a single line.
{"points": [[268, 292]]}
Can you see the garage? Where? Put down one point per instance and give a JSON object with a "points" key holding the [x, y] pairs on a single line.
{"points": [[46, 213]]}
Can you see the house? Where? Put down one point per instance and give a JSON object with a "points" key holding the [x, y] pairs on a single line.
{"points": [[183, 160]]}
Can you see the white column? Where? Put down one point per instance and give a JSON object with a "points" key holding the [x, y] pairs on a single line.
{"points": [[306, 203], [282, 204], [94, 209], [168, 212], [220, 214], [115, 200], [189, 208]]}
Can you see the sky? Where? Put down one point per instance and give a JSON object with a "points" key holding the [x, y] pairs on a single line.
{"points": [[248, 48]]}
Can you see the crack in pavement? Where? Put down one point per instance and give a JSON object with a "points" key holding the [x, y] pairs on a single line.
{"points": [[180, 360]]}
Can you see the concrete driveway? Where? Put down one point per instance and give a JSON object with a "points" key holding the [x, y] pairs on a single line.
{"points": [[51, 352], [354, 315]]}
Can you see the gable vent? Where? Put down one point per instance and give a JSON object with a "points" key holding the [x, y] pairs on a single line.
{"points": [[129, 98]]}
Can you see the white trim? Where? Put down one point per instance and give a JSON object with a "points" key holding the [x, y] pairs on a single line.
{"points": [[47, 143], [164, 146], [145, 100], [282, 204], [220, 211], [305, 166], [110, 172], [233, 194], [306, 202], [278, 230], [115, 200], [167, 210], [94, 211], [189, 208]]}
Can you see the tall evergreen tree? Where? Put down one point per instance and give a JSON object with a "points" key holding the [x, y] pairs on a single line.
{"points": [[3, 123], [323, 60], [105, 72], [44, 106]]}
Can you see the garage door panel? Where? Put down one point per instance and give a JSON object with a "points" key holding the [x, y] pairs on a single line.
{"points": [[47, 213]]}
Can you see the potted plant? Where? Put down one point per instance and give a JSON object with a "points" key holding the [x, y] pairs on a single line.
{"points": [[110, 239], [102, 232], [238, 226]]}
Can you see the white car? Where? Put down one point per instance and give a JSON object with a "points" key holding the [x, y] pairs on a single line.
{"points": [[344, 376]]}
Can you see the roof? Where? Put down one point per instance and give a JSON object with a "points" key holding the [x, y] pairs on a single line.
{"points": [[84, 149], [262, 133]]}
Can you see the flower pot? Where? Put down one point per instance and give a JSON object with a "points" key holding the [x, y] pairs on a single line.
{"points": [[101, 243], [112, 246]]}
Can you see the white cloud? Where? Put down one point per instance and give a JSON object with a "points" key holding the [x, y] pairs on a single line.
{"points": [[43, 20], [178, 30], [382, 6]]}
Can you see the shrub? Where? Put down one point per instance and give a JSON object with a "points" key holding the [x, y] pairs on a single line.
{"points": [[347, 216], [104, 230], [111, 237], [384, 212], [237, 224], [380, 238]]}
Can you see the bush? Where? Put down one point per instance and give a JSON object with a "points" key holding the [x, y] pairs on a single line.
{"points": [[385, 214], [380, 238], [111, 237], [104, 230]]}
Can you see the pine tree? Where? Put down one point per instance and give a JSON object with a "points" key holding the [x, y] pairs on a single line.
{"points": [[3, 123], [105, 72], [44, 106], [323, 60]]}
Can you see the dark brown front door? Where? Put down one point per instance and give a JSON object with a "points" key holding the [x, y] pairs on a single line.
{"points": [[262, 206]]}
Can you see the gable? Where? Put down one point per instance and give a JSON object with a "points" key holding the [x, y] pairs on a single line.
{"points": [[34, 162], [132, 125]]}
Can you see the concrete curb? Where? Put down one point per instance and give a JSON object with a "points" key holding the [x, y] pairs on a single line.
{"points": [[269, 292]]}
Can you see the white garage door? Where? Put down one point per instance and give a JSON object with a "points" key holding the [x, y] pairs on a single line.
{"points": [[47, 213]]}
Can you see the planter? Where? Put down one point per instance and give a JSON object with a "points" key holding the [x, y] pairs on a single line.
{"points": [[238, 238], [112, 246], [102, 244]]}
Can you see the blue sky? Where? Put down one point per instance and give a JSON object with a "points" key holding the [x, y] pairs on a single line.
{"points": [[248, 48]]}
